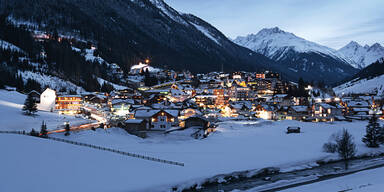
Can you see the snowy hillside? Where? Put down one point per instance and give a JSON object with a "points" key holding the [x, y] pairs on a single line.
{"points": [[168, 11], [362, 56], [274, 43], [374, 85], [50, 81], [10, 46]]}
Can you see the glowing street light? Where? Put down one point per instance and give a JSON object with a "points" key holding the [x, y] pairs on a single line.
{"points": [[147, 61]]}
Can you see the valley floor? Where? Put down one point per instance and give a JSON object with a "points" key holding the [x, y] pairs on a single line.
{"points": [[35, 164]]}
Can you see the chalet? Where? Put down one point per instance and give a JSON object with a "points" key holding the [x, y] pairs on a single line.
{"points": [[358, 108], [265, 111], [158, 119], [136, 125], [97, 99], [278, 98], [196, 121], [297, 112], [189, 112], [325, 112], [35, 95]]}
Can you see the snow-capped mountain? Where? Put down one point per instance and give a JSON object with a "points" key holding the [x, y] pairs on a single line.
{"points": [[302, 57], [274, 43], [362, 56]]}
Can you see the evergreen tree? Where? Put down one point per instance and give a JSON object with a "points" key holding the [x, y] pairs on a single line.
{"points": [[373, 133], [67, 129], [107, 88], [346, 148], [43, 130], [29, 107]]}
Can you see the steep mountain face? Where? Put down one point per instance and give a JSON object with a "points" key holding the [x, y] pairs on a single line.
{"points": [[362, 56], [303, 58], [369, 80], [129, 31]]}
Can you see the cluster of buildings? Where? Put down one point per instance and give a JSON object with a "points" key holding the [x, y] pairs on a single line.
{"points": [[197, 102]]}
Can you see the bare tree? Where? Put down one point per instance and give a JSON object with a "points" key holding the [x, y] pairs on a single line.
{"points": [[346, 147]]}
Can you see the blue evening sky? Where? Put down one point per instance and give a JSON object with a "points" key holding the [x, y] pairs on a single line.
{"points": [[333, 23]]}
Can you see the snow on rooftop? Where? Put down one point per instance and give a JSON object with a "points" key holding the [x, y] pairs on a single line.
{"points": [[135, 69]]}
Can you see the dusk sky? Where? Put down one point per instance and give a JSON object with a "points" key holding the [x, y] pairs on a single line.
{"points": [[328, 22]]}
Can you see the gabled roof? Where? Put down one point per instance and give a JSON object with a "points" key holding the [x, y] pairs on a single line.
{"points": [[299, 108], [326, 106], [118, 101], [197, 117], [133, 121], [146, 113], [174, 113]]}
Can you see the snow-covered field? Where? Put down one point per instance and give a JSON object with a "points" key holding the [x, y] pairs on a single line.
{"points": [[375, 85], [12, 118], [236, 146], [365, 181]]}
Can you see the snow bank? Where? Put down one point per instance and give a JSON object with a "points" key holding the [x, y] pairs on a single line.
{"points": [[365, 181]]}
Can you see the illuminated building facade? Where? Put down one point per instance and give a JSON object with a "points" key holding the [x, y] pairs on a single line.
{"points": [[68, 104]]}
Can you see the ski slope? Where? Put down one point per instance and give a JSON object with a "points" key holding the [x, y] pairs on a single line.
{"points": [[374, 85]]}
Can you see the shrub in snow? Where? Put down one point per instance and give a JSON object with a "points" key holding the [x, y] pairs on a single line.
{"points": [[330, 147], [346, 147], [343, 144]]}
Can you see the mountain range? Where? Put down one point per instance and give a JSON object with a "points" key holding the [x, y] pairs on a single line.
{"points": [[360, 56], [276, 43], [302, 57]]}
